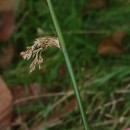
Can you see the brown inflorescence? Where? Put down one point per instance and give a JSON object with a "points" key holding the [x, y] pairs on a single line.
{"points": [[36, 49]]}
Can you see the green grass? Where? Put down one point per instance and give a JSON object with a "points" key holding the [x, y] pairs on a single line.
{"points": [[101, 79]]}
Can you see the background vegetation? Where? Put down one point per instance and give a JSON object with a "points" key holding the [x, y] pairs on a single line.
{"points": [[102, 78]]}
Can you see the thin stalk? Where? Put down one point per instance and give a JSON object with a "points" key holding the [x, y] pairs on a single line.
{"points": [[70, 70]]}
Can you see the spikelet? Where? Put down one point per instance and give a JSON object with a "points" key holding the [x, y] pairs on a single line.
{"points": [[36, 49]]}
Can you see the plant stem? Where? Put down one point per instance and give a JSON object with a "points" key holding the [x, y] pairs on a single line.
{"points": [[71, 73]]}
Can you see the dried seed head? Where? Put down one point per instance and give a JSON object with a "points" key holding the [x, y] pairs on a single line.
{"points": [[36, 49], [46, 42]]}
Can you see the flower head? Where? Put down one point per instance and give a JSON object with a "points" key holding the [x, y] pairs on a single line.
{"points": [[36, 49]]}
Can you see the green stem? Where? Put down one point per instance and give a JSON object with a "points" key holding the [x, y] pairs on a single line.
{"points": [[62, 44]]}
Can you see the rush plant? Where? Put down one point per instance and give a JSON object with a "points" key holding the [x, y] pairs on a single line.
{"points": [[67, 60], [42, 43]]}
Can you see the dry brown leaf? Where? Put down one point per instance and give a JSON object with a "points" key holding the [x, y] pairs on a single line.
{"points": [[5, 105], [6, 5], [113, 44], [109, 47], [95, 4], [6, 25], [7, 56], [119, 36]]}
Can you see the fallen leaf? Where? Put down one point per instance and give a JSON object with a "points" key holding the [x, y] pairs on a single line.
{"points": [[6, 25], [6, 5], [113, 44], [118, 36], [5, 105], [109, 47], [7, 56]]}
